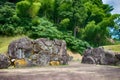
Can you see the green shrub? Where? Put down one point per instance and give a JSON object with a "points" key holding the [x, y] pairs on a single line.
{"points": [[23, 7], [6, 12], [9, 20], [45, 29], [36, 21], [7, 29], [76, 44]]}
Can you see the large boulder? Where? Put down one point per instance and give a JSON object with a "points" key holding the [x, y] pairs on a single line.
{"points": [[99, 56], [39, 52], [4, 61]]}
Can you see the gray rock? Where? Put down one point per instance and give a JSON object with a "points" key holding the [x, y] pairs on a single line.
{"points": [[4, 61], [40, 51], [55, 50], [21, 48], [118, 58], [99, 56]]}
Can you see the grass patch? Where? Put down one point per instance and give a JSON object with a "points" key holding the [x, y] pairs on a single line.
{"points": [[5, 41], [115, 48]]}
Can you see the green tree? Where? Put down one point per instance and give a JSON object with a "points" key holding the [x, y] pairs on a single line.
{"points": [[7, 10], [28, 8], [9, 22], [75, 11], [64, 23], [98, 21], [97, 34], [47, 7], [92, 33]]}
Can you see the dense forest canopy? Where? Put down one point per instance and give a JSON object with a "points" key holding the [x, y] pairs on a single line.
{"points": [[80, 23]]}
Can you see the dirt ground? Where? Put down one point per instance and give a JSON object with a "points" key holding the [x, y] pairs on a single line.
{"points": [[73, 71]]}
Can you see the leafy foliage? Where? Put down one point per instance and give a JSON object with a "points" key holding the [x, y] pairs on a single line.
{"points": [[8, 19], [6, 13], [76, 44], [23, 7], [29, 7], [45, 29], [92, 34]]}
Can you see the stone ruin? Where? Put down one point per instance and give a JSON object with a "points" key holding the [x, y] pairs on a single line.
{"points": [[100, 56], [39, 52], [4, 61]]}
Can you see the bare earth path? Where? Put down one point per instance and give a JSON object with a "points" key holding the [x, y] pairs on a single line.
{"points": [[74, 71]]}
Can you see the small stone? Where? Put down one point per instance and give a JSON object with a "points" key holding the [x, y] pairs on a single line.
{"points": [[4, 61]]}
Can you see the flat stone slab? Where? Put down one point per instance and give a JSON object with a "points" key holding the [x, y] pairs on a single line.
{"points": [[73, 71]]}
